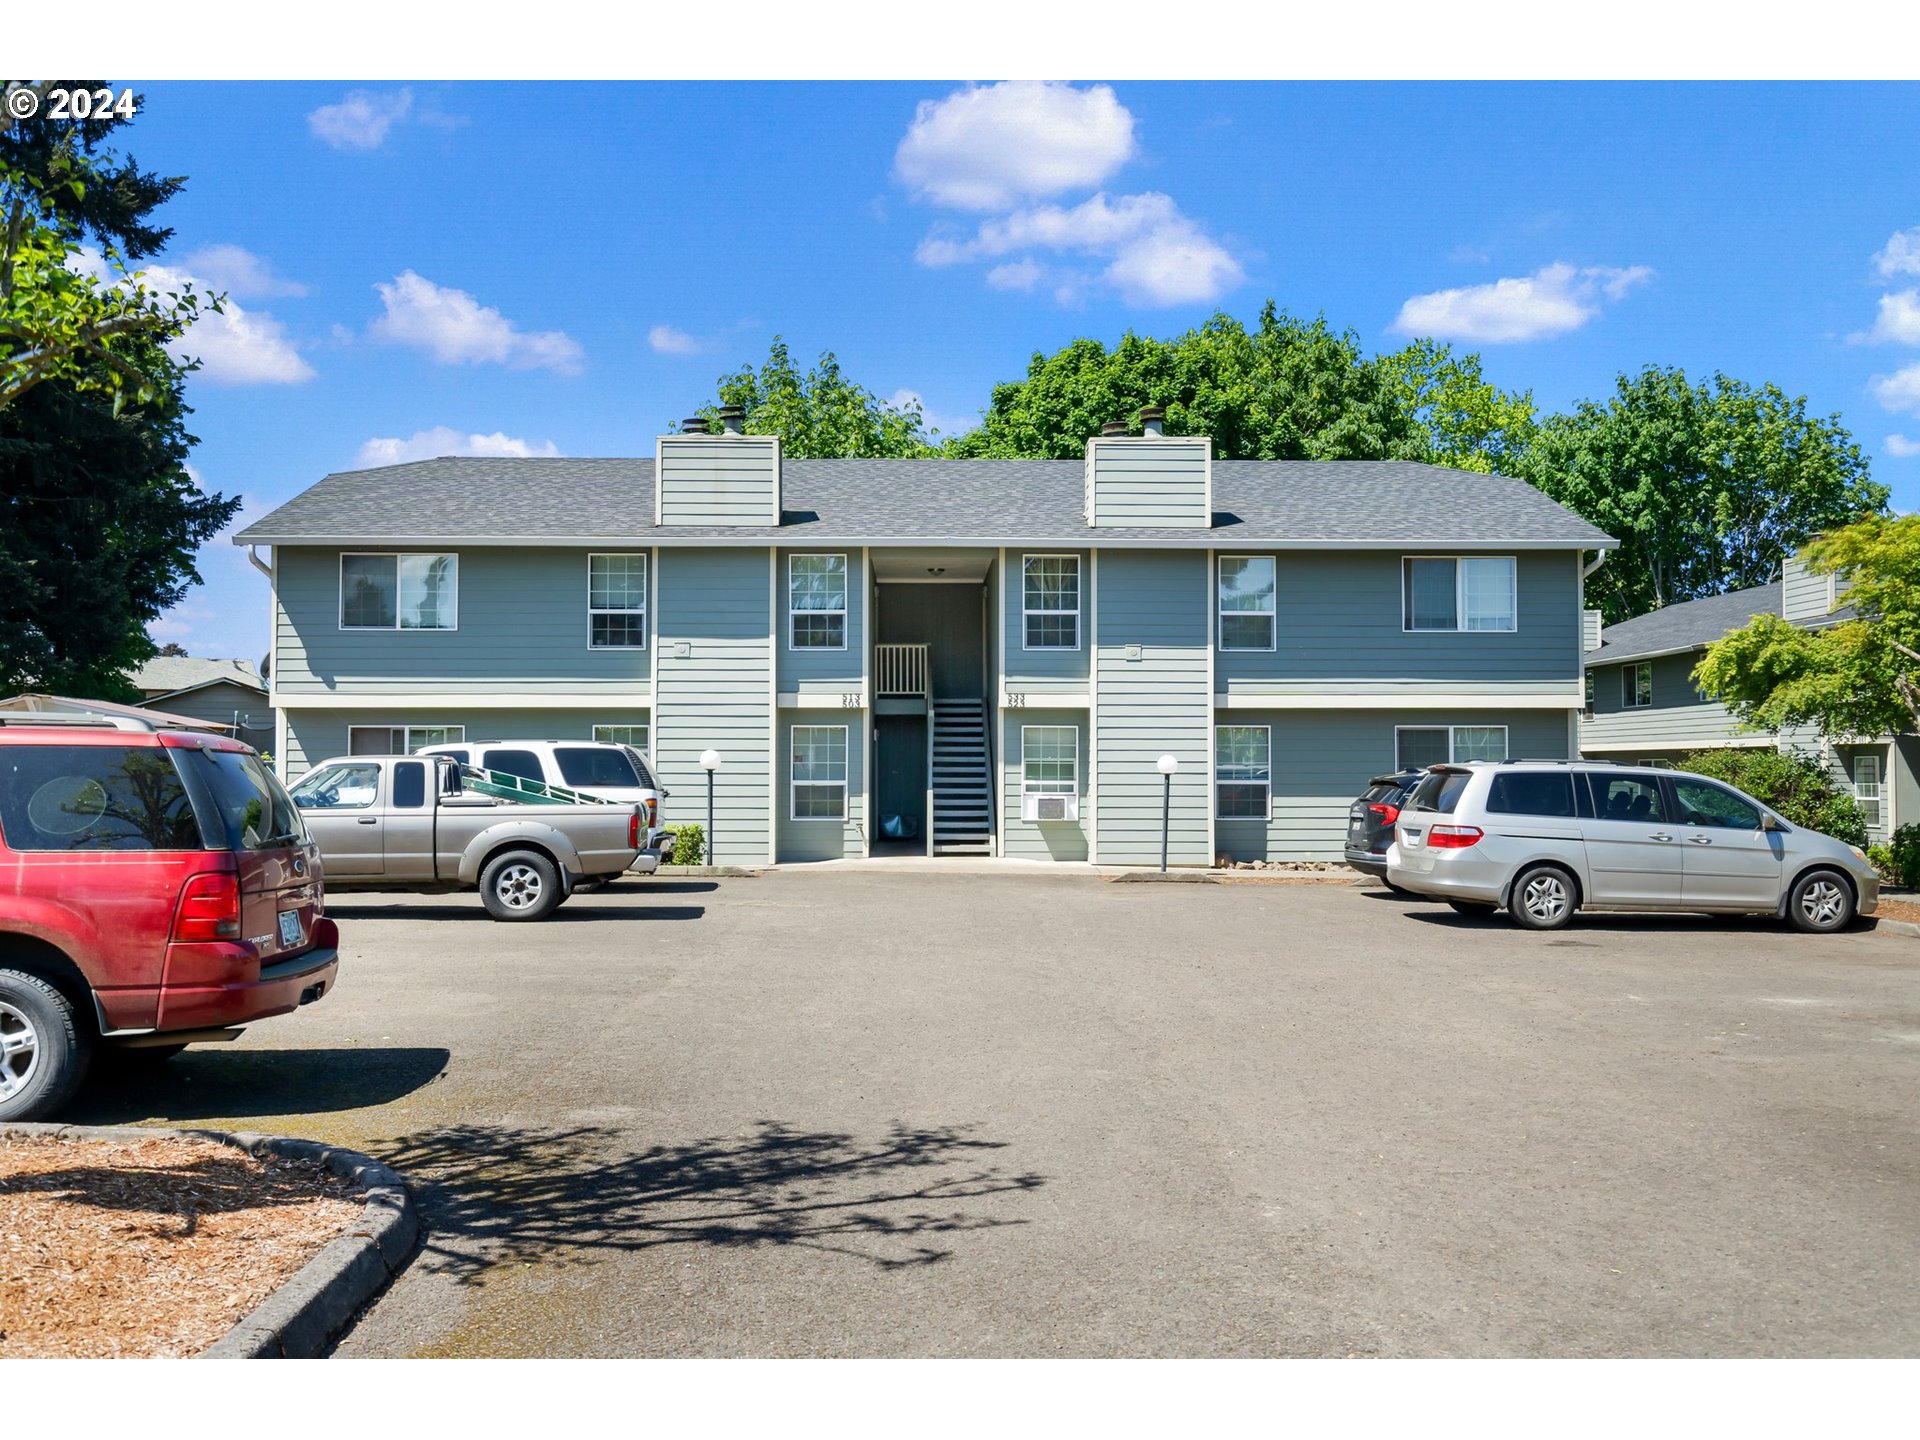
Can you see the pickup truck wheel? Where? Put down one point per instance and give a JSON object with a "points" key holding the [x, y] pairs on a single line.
{"points": [[520, 885], [43, 1049]]}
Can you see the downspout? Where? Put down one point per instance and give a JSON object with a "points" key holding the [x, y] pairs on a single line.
{"points": [[1598, 560]]}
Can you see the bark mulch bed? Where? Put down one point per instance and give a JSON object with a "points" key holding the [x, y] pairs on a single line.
{"points": [[150, 1247], [1898, 908]]}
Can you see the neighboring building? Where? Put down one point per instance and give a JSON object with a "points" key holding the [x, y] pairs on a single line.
{"points": [[1644, 707], [996, 653], [227, 692]]}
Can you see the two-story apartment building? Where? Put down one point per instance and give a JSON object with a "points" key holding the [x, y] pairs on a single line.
{"points": [[985, 656], [1644, 706]]}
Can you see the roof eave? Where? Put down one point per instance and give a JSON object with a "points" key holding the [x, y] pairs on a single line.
{"points": [[1199, 539]]}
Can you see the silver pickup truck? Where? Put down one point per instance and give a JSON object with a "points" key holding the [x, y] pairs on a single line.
{"points": [[424, 822]]}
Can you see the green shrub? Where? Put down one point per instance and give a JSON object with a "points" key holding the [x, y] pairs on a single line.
{"points": [[1905, 854], [1881, 858], [689, 845], [1799, 786]]}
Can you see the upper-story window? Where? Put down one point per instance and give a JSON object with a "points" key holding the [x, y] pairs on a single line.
{"points": [[1246, 602], [617, 602], [1466, 592], [1051, 601], [399, 592], [1636, 685], [817, 602]]}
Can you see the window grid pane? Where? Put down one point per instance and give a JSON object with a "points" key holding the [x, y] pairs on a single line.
{"points": [[819, 772], [368, 592], [617, 602], [429, 589], [1421, 747], [1486, 593], [634, 735], [1479, 742], [1051, 600], [1431, 601], [817, 601], [1050, 759], [1242, 773], [1246, 602]]}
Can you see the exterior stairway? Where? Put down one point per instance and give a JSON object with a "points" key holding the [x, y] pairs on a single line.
{"points": [[962, 782]]}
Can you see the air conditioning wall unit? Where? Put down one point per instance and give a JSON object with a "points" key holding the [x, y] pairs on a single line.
{"points": [[1049, 807]]}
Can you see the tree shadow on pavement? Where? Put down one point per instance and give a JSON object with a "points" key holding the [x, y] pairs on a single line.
{"points": [[493, 1195]]}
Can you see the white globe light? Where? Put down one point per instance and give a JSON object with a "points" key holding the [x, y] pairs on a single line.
{"points": [[709, 759], [1168, 764]]}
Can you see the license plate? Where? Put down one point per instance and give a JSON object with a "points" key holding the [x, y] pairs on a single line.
{"points": [[1409, 838], [289, 929]]}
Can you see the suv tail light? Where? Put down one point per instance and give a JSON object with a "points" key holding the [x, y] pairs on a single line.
{"points": [[209, 907], [1452, 837], [634, 838], [1389, 814]]}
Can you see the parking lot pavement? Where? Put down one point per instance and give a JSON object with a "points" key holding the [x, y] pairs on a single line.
{"points": [[863, 1113]]}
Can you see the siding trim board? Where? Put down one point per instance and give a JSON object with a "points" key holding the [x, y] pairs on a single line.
{"points": [[774, 535]]}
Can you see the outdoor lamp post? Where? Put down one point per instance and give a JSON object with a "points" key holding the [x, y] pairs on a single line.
{"points": [[1168, 764], [710, 762]]}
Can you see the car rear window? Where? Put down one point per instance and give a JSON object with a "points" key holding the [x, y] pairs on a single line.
{"points": [[593, 765], [523, 763], [253, 804], [1531, 794], [1441, 790], [94, 797], [1380, 792]]}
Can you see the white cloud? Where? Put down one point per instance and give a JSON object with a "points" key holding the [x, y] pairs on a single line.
{"points": [[240, 272], [991, 146], [933, 419], [235, 346], [1156, 254], [456, 329], [1901, 255], [1900, 390], [1901, 447], [1549, 302], [1898, 320], [361, 120], [445, 440], [665, 340]]}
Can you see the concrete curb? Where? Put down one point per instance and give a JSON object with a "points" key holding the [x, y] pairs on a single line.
{"points": [[1896, 927], [681, 872], [300, 1319]]}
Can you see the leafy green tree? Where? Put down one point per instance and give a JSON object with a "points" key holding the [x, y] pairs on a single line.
{"points": [[99, 519], [1470, 423], [821, 414], [1858, 677], [1708, 487], [1290, 389], [1799, 786]]}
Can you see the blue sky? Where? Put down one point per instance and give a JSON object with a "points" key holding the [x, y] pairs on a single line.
{"points": [[522, 268]]}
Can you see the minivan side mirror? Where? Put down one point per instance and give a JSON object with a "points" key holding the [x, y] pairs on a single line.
{"points": [[1769, 822]]}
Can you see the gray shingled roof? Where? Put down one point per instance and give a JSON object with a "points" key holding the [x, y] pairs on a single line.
{"points": [[166, 674], [482, 500], [1685, 626]]}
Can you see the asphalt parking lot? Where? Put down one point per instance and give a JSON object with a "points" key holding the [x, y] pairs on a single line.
{"points": [[872, 1113]]}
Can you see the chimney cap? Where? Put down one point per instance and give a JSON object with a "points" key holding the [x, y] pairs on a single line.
{"points": [[1153, 412], [1114, 427], [733, 419], [694, 425]]}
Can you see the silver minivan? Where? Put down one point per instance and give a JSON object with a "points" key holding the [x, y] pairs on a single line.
{"points": [[1542, 839]]}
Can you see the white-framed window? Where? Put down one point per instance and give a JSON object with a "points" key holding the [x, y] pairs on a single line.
{"points": [[819, 773], [1243, 772], [1246, 594], [1049, 759], [617, 602], [1050, 602], [1417, 747], [401, 739], [816, 602], [1590, 689], [634, 735], [1458, 592], [1636, 685], [399, 592], [1866, 788]]}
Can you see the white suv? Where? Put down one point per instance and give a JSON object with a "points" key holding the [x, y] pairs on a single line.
{"points": [[1544, 838], [600, 768]]}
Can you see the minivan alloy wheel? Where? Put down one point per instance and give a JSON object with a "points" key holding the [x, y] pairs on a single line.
{"points": [[1823, 902], [19, 1051], [1545, 897]]}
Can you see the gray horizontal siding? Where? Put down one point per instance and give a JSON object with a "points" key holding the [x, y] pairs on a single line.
{"points": [[719, 481], [1157, 704], [1026, 668], [1030, 840], [1322, 761], [1686, 727], [806, 840], [1157, 484], [820, 669], [316, 735], [1339, 617], [717, 604], [522, 628], [225, 704], [1803, 594], [1673, 687]]}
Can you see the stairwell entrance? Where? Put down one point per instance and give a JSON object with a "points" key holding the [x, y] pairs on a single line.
{"points": [[933, 752]]}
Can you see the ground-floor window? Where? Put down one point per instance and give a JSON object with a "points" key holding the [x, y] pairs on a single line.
{"points": [[400, 739], [1866, 788], [819, 772], [1243, 771], [634, 735], [1418, 747], [1050, 759]]}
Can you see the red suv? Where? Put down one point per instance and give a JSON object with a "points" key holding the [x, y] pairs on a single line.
{"points": [[156, 888]]}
